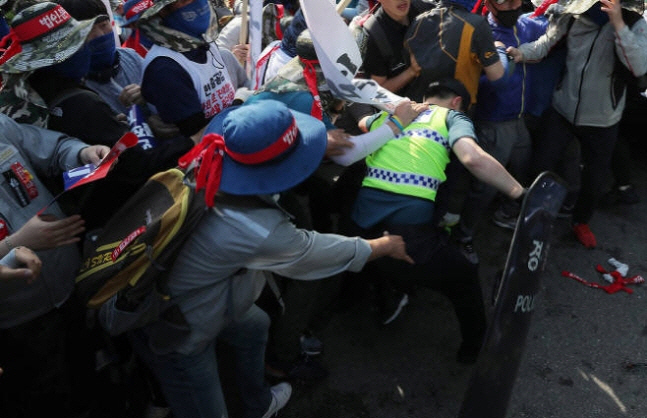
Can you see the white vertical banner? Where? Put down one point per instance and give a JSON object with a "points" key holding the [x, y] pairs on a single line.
{"points": [[255, 34], [340, 58], [115, 29]]}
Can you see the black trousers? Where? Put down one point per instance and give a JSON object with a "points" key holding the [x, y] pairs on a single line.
{"points": [[439, 266], [596, 144]]}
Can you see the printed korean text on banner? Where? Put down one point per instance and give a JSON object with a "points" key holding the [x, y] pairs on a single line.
{"points": [[139, 127], [340, 58]]}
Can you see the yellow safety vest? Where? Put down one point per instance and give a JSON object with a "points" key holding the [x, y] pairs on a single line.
{"points": [[413, 163]]}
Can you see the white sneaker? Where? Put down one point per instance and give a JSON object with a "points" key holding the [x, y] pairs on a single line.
{"points": [[280, 396]]}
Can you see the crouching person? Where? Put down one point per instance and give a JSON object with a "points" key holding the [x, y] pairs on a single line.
{"points": [[247, 156]]}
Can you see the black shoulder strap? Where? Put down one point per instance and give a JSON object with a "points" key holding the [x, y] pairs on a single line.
{"points": [[64, 95], [381, 40], [630, 17]]}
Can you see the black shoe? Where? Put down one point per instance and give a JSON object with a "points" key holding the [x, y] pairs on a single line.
{"points": [[505, 220], [307, 369], [467, 249], [467, 353], [310, 344], [627, 194], [566, 211]]}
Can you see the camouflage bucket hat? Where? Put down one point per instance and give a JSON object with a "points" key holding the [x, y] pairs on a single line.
{"points": [[155, 8], [577, 7], [43, 35]]}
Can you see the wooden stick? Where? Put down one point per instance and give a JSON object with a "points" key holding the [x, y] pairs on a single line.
{"points": [[242, 38], [342, 5]]}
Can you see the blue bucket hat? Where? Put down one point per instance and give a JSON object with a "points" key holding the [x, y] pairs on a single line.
{"points": [[264, 148]]}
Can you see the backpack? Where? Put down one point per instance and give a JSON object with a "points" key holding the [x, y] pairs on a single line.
{"points": [[366, 24], [125, 265]]}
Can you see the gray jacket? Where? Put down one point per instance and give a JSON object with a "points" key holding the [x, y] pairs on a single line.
{"points": [[590, 94], [224, 265], [41, 153]]}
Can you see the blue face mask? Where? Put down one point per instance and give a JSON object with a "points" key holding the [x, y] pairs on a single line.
{"points": [[597, 15], [103, 50], [192, 19], [75, 67]]}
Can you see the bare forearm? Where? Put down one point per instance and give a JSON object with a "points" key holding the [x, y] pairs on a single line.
{"points": [[491, 172], [486, 168], [396, 83]]}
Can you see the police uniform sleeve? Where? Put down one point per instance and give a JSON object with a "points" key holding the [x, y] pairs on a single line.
{"points": [[459, 126]]}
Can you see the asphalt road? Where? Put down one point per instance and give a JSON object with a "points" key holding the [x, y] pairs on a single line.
{"points": [[585, 355]]}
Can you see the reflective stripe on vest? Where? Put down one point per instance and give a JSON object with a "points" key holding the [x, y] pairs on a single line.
{"points": [[413, 163]]}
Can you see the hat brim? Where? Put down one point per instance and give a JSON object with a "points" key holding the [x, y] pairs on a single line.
{"points": [[155, 9], [278, 176], [131, 20], [577, 7], [49, 50]]}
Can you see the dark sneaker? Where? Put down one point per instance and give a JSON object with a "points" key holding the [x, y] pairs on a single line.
{"points": [[566, 211], [467, 249], [307, 369], [310, 344], [627, 194], [467, 354], [393, 307], [502, 219]]}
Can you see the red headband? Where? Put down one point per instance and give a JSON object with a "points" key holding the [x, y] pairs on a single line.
{"points": [[31, 29], [41, 24], [138, 8], [282, 143]]}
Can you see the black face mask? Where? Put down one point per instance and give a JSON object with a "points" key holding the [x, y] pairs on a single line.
{"points": [[508, 18]]}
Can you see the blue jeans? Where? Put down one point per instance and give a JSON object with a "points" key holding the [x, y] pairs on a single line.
{"points": [[191, 383]]}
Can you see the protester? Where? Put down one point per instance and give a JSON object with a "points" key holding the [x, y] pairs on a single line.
{"points": [[134, 38], [449, 41], [202, 77], [46, 360], [115, 73], [588, 105], [272, 19], [499, 120], [52, 71], [300, 84], [382, 45], [278, 53], [224, 265]]}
